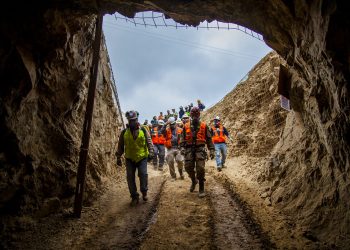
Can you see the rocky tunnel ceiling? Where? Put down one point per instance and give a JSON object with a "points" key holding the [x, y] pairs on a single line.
{"points": [[45, 50], [287, 26]]}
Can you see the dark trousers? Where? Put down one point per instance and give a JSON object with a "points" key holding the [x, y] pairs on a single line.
{"points": [[159, 154], [195, 163], [141, 167]]}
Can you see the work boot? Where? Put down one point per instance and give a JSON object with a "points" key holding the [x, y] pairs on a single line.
{"points": [[219, 168], [201, 193], [160, 168], [134, 201], [193, 186], [144, 196]]}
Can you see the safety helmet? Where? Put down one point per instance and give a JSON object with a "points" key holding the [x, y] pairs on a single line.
{"points": [[195, 112], [154, 122], [185, 116], [161, 122], [132, 115], [217, 118], [171, 120], [178, 121]]}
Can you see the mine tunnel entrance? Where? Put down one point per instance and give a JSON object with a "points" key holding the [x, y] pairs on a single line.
{"points": [[297, 192], [265, 98]]}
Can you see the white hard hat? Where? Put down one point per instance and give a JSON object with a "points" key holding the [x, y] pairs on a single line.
{"points": [[185, 116], [217, 118], [178, 121], [171, 120], [161, 122]]}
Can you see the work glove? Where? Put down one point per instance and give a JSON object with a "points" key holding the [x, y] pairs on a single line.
{"points": [[119, 162], [212, 154], [182, 151], [150, 157]]}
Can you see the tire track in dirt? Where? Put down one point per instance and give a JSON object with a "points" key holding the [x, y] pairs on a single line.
{"points": [[185, 221], [110, 223], [173, 218], [232, 228], [124, 226], [247, 214]]}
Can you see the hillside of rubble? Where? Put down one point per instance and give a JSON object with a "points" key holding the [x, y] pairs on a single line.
{"points": [[278, 161]]}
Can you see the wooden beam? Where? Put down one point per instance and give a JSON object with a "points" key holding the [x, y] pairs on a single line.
{"points": [[84, 148]]}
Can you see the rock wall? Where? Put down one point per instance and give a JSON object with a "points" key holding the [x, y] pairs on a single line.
{"points": [[251, 112], [309, 176], [45, 72], [312, 36]]}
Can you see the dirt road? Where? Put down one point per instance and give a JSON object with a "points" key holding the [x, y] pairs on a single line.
{"points": [[173, 218]]}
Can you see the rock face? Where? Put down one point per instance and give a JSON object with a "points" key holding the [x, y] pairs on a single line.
{"points": [[251, 112], [301, 177], [45, 75], [44, 64]]}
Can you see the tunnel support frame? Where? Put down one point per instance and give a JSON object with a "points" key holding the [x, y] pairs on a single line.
{"points": [[84, 148]]}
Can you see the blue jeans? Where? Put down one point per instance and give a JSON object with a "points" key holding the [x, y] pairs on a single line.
{"points": [[159, 153], [220, 153], [141, 167]]}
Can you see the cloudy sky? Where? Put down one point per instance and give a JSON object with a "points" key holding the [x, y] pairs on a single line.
{"points": [[156, 69]]}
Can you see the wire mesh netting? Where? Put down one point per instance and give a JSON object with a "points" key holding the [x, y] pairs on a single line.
{"points": [[252, 111], [156, 19]]}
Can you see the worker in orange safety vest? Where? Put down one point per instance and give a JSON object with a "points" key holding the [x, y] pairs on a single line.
{"points": [[172, 139], [219, 136], [158, 141], [196, 135]]}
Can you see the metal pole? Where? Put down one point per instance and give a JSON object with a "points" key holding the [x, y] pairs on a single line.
{"points": [[84, 149]]}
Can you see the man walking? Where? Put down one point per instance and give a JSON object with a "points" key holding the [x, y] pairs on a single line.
{"points": [[219, 135], [195, 136], [136, 143], [172, 139], [181, 112], [158, 145]]}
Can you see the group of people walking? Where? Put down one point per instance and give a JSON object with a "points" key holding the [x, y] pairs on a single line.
{"points": [[182, 142], [178, 116]]}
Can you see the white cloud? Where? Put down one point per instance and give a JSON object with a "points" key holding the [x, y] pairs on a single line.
{"points": [[160, 69]]}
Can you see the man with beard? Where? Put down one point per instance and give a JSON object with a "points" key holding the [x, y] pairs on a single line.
{"points": [[195, 136], [137, 145]]}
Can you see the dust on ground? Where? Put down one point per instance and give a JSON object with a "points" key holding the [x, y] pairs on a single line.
{"points": [[241, 177], [173, 218], [185, 221], [109, 224]]}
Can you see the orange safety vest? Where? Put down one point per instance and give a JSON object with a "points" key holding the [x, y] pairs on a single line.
{"points": [[200, 134], [169, 135], [156, 138], [218, 137]]}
